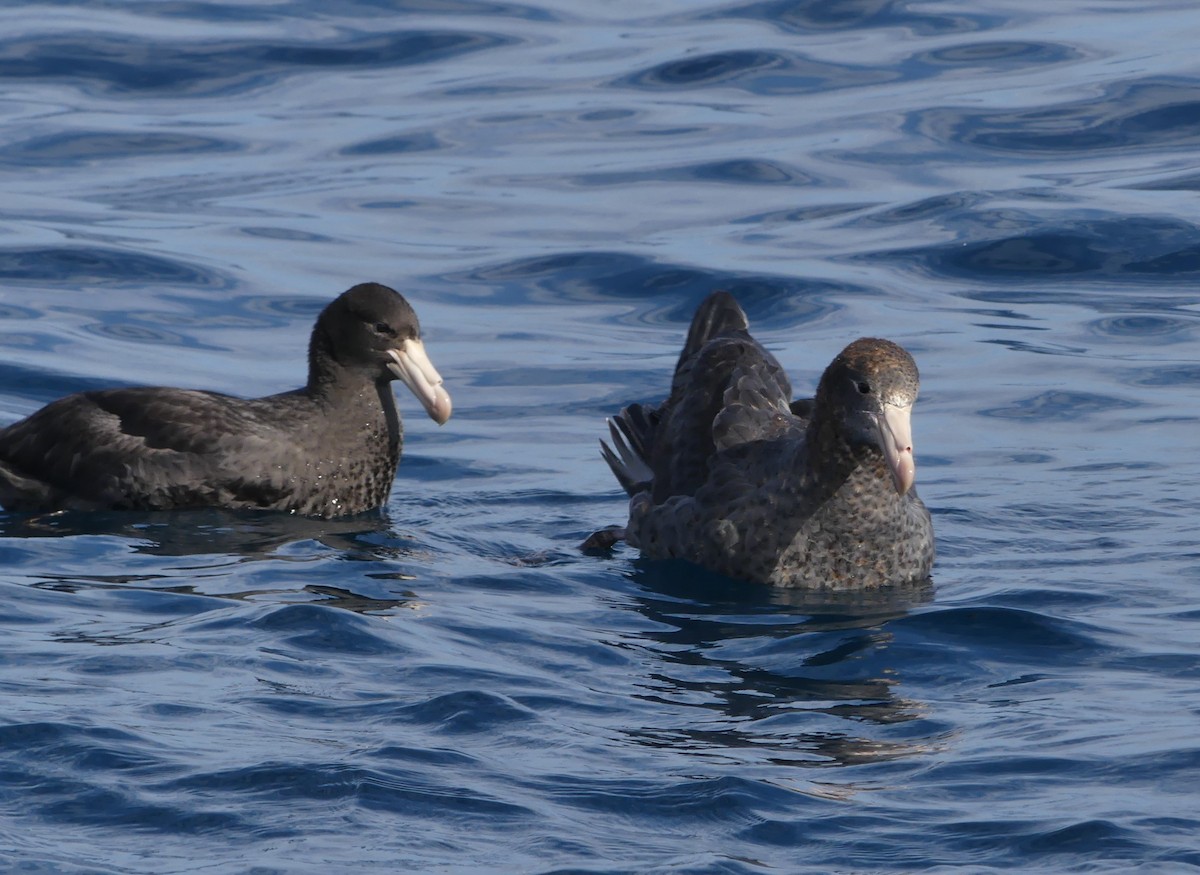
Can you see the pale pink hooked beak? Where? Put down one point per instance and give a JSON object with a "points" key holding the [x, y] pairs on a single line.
{"points": [[895, 438], [412, 366]]}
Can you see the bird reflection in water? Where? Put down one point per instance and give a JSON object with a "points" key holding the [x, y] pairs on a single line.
{"points": [[767, 668], [219, 544]]}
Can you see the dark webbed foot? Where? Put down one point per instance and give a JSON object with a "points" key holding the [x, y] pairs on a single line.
{"points": [[603, 540]]}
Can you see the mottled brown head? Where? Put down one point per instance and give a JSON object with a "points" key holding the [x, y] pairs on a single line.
{"points": [[889, 372], [867, 392]]}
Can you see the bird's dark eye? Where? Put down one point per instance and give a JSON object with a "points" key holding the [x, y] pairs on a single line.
{"points": [[384, 328], [864, 387]]}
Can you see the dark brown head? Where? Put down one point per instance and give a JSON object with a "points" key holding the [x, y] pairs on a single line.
{"points": [[868, 391], [372, 331]]}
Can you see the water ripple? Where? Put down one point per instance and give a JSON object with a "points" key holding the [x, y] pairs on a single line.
{"points": [[1163, 328], [75, 148], [1016, 632], [134, 66], [999, 55], [402, 792], [128, 332], [396, 145], [1060, 406], [575, 277], [94, 756], [761, 72], [1166, 376], [1135, 248], [311, 629], [804, 16], [737, 171], [1142, 114], [94, 265]]}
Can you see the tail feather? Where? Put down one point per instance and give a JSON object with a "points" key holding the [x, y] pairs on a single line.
{"points": [[631, 432]]}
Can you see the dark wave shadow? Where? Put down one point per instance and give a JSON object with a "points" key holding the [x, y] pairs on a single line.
{"points": [[1143, 114], [85, 795], [1136, 249], [291, 235], [1157, 328], [941, 208], [1009, 635], [185, 313], [757, 71], [134, 65], [99, 265], [466, 8], [75, 148], [803, 16], [186, 318], [675, 290], [737, 171], [812, 213], [398, 144], [1180, 182], [1060, 406], [1166, 376], [1002, 55]]}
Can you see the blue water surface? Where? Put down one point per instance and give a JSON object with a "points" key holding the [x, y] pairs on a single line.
{"points": [[1007, 188]]}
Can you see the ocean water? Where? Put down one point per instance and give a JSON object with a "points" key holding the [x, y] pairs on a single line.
{"points": [[1007, 188]]}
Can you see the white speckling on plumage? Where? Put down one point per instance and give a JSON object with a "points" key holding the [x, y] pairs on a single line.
{"points": [[748, 483]]}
